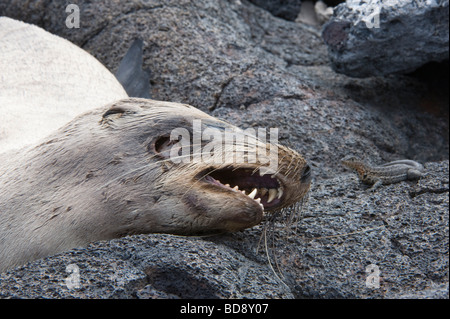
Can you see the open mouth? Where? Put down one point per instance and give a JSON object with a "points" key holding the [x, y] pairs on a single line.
{"points": [[266, 190]]}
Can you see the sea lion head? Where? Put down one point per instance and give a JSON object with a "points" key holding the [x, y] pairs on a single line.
{"points": [[182, 184], [144, 168]]}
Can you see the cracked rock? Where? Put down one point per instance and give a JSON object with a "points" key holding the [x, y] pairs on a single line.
{"points": [[285, 9], [387, 36]]}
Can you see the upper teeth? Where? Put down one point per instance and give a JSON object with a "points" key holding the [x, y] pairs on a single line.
{"points": [[273, 193], [263, 191]]}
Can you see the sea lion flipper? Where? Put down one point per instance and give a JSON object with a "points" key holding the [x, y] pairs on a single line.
{"points": [[130, 74]]}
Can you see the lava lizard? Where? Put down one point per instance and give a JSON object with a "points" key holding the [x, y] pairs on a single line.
{"points": [[389, 173]]}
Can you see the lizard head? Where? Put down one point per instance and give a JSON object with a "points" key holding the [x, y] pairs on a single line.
{"points": [[356, 164]]}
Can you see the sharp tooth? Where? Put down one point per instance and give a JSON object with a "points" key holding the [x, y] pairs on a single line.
{"points": [[243, 192], [263, 191], [280, 192], [236, 188], [272, 194], [227, 185], [252, 194]]}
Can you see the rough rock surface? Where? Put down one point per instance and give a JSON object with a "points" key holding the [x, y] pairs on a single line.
{"points": [[285, 9], [241, 64], [401, 228], [371, 38]]}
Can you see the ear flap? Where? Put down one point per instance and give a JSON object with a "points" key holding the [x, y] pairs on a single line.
{"points": [[114, 110], [118, 110]]}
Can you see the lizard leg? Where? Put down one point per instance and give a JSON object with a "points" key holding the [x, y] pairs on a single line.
{"points": [[377, 185]]}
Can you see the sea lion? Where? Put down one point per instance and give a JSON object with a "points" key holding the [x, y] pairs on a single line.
{"points": [[106, 174], [110, 172]]}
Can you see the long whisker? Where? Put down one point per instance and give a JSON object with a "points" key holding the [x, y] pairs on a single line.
{"points": [[268, 258], [147, 166], [274, 251], [150, 165]]}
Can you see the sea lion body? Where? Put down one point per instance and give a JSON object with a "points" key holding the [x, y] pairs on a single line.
{"points": [[45, 81], [110, 172]]}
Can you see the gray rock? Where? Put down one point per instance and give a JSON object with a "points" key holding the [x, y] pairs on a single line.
{"points": [[243, 65], [154, 266], [372, 38], [402, 229], [285, 9]]}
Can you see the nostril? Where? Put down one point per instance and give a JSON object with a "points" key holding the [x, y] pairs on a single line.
{"points": [[306, 174]]}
